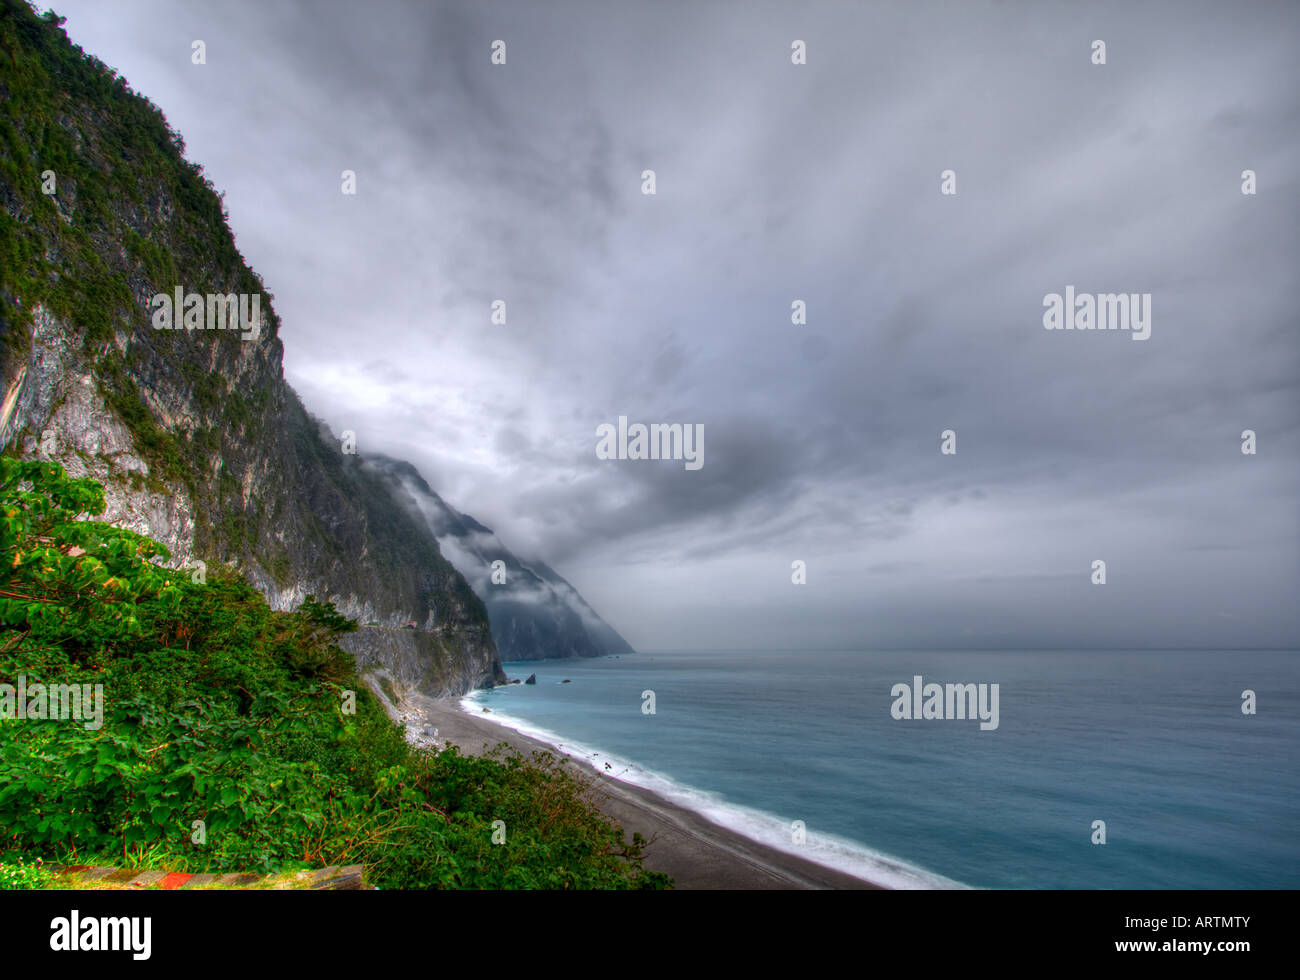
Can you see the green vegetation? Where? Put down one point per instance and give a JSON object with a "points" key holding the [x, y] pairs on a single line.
{"points": [[217, 709], [19, 874]]}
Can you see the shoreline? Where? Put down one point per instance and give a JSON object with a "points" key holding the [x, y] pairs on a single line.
{"points": [[695, 851]]}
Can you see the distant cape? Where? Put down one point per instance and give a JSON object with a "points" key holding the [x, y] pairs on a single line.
{"points": [[534, 613]]}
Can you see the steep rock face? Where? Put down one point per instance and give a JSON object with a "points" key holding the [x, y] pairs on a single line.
{"points": [[197, 438], [535, 613]]}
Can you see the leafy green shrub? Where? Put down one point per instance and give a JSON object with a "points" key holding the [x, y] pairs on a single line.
{"points": [[218, 709]]}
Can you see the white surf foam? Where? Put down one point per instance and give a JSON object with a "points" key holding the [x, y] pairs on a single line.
{"points": [[828, 850]]}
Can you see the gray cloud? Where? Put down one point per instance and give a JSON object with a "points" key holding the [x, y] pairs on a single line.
{"points": [[775, 182]]}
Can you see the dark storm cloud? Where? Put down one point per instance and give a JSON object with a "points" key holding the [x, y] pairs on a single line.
{"points": [[775, 182]]}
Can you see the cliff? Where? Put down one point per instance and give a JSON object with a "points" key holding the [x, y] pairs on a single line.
{"points": [[196, 436]]}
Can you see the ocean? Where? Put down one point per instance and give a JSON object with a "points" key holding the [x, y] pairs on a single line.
{"points": [[1192, 792]]}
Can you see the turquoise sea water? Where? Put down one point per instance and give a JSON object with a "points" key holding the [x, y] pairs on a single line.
{"points": [[1194, 793]]}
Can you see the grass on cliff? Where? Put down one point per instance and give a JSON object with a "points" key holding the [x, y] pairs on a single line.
{"points": [[228, 740], [56, 97]]}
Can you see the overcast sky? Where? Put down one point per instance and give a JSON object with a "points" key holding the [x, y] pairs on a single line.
{"points": [[779, 182]]}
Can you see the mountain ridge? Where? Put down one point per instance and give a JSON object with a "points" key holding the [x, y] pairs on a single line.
{"points": [[535, 613]]}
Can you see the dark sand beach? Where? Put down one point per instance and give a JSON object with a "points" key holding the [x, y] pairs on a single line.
{"points": [[698, 853]]}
